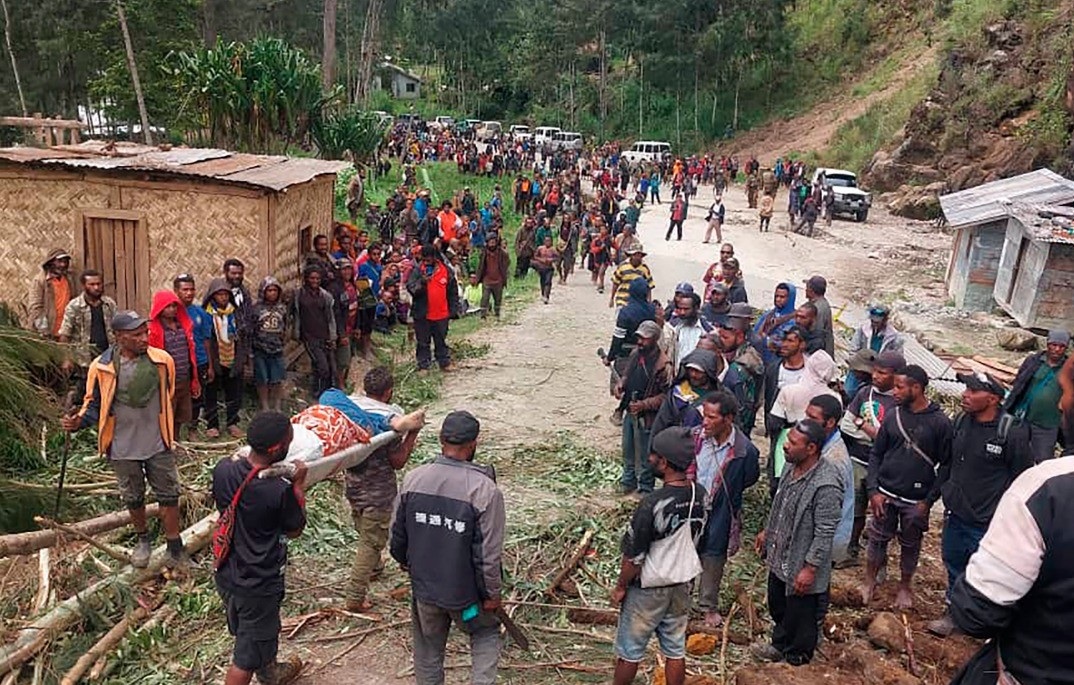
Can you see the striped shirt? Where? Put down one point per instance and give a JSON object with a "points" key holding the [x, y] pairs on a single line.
{"points": [[623, 275]]}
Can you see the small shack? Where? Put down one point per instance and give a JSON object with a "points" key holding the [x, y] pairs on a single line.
{"points": [[1035, 281], [403, 84], [142, 214], [979, 217]]}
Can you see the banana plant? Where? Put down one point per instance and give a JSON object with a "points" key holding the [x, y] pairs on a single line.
{"points": [[262, 96]]}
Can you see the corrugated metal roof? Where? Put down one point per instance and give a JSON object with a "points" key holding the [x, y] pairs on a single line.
{"points": [[259, 171], [1046, 223], [987, 202]]}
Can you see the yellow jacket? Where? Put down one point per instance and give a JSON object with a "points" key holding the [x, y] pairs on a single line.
{"points": [[101, 392]]}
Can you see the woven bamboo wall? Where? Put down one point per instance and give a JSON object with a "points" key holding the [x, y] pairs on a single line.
{"points": [[36, 216], [309, 204], [192, 227], [194, 232]]}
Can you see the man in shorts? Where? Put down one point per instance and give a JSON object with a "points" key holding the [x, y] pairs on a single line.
{"points": [[859, 426], [660, 609], [250, 574], [129, 395]]}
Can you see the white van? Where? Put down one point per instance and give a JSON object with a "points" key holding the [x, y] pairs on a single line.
{"points": [[647, 151], [487, 130], [543, 134], [567, 140]]}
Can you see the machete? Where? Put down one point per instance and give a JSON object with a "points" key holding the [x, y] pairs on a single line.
{"points": [[513, 630], [611, 365]]}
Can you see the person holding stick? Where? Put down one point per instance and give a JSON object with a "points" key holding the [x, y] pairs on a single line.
{"points": [[128, 398]]}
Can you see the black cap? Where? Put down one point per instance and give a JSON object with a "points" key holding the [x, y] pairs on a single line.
{"points": [[127, 321], [676, 444], [982, 381], [459, 428], [915, 372]]}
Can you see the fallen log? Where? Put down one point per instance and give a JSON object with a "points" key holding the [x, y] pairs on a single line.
{"points": [[30, 542], [67, 613], [117, 554], [104, 645]]}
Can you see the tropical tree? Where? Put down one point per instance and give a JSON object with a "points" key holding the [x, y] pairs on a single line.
{"points": [[261, 96], [348, 133]]}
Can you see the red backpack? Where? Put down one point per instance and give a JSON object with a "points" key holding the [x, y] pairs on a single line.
{"points": [[225, 525]]}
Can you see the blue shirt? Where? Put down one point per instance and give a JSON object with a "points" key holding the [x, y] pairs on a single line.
{"points": [[421, 206], [371, 271], [203, 330], [336, 399]]}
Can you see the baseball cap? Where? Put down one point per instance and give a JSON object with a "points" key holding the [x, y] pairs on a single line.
{"points": [[817, 284], [676, 444], [459, 428], [648, 329], [878, 311], [128, 321], [982, 381], [890, 360], [1058, 337], [864, 361], [720, 288], [684, 288], [731, 262], [635, 249]]}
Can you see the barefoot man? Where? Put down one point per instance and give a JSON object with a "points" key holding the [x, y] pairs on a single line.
{"points": [[913, 441]]}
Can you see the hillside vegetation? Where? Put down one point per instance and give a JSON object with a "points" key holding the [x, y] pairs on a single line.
{"points": [[689, 72]]}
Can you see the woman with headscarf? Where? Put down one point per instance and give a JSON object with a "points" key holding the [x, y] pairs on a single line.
{"points": [[792, 400], [769, 329]]}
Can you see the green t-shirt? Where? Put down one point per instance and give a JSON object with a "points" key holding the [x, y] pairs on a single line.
{"points": [[1041, 403]]}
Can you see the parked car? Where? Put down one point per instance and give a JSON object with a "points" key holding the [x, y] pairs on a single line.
{"points": [[647, 151], [487, 130], [442, 123], [383, 118], [849, 198], [542, 135], [519, 132], [410, 120], [567, 140]]}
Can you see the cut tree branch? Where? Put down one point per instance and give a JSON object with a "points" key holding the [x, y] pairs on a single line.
{"points": [[104, 645], [28, 543], [117, 554], [572, 563]]}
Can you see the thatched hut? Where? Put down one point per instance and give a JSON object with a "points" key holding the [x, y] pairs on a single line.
{"points": [[142, 214]]}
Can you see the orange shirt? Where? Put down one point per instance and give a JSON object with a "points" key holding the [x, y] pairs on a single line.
{"points": [[448, 220], [61, 295]]}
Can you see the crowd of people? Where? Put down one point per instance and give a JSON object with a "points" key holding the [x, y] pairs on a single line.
{"points": [[852, 461]]}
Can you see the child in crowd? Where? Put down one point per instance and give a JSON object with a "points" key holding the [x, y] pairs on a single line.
{"points": [[269, 335]]}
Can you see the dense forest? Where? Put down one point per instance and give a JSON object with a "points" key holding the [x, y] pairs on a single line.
{"points": [[585, 63], [688, 71]]}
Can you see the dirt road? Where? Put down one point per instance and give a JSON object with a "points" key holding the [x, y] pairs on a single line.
{"points": [[541, 376]]}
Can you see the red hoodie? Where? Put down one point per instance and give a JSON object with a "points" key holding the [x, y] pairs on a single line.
{"points": [[161, 299]]}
